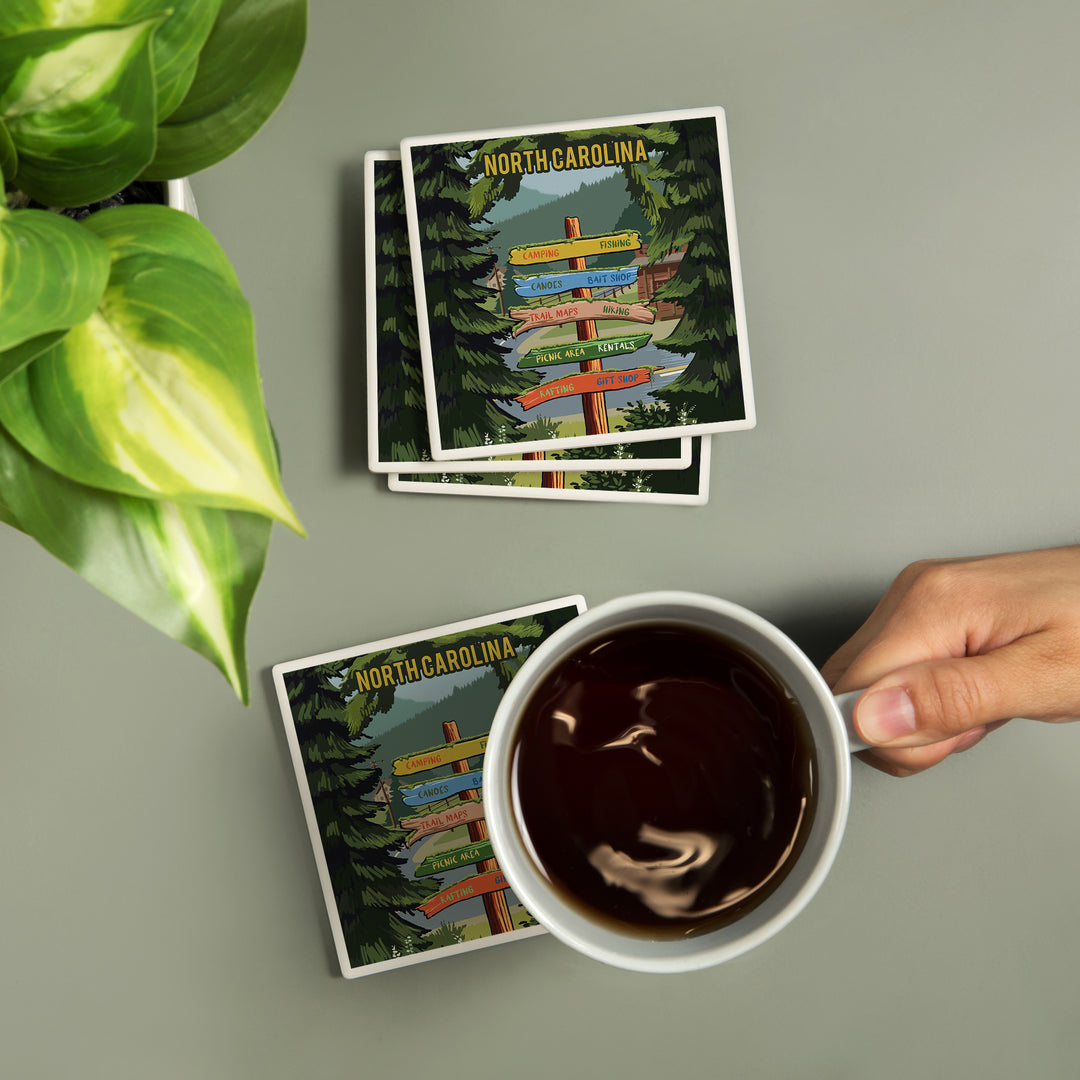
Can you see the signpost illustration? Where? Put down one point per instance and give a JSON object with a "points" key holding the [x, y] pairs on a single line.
{"points": [[589, 349], [591, 309], [443, 788], [599, 277], [583, 350], [589, 382], [488, 881], [429, 824]]}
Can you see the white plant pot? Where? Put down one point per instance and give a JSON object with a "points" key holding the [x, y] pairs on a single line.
{"points": [[179, 195]]}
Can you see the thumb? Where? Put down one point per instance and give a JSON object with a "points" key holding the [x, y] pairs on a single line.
{"points": [[938, 699]]}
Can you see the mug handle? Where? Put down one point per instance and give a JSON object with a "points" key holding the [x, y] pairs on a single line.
{"points": [[846, 704]]}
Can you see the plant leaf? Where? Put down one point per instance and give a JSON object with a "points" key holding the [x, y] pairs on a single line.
{"points": [[145, 228], [7, 515], [53, 272], [245, 68], [157, 394], [79, 106], [9, 158], [176, 45], [189, 571], [13, 359], [175, 48]]}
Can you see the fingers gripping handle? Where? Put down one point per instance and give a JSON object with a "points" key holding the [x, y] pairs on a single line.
{"points": [[846, 704]]}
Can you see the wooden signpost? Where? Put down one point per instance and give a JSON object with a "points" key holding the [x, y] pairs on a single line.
{"points": [[488, 881], [589, 349]]}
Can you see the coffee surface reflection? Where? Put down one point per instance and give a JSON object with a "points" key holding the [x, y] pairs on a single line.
{"points": [[663, 779]]}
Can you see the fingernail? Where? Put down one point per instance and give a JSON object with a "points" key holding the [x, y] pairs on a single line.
{"points": [[969, 739], [886, 715]]}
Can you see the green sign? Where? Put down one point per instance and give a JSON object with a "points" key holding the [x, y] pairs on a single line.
{"points": [[455, 857], [596, 349]]}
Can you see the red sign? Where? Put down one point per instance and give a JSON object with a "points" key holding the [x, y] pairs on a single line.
{"points": [[588, 382], [477, 885]]}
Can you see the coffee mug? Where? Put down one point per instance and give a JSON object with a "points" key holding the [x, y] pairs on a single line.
{"points": [[825, 718]]}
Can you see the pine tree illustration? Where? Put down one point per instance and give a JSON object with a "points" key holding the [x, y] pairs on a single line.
{"points": [[710, 389], [371, 891], [403, 430], [472, 379]]}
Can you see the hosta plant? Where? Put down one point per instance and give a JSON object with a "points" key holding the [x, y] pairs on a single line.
{"points": [[134, 440]]}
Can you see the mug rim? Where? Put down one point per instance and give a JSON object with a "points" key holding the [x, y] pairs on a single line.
{"points": [[634, 951]]}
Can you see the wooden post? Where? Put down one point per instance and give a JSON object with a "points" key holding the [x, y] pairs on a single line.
{"points": [[384, 795], [593, 406], [547, 479], [498, 911], [497, 275]]}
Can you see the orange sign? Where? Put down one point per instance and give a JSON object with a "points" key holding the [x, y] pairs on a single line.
{"points": [[589, 382], [477, 885]]}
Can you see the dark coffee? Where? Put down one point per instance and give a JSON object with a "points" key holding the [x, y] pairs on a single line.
{"points": [[663, 779]]}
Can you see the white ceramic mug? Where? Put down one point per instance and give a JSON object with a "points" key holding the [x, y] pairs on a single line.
{"points": [[834, 740]]}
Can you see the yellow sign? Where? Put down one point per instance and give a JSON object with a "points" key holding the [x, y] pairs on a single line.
{"points": [[577, 248], [439, 755]]}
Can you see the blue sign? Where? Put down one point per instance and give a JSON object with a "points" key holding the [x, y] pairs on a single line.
{"points": [[442, 788], [601, 277]]}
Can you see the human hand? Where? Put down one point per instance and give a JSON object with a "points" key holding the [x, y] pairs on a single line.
{"points": [[956, 648]]}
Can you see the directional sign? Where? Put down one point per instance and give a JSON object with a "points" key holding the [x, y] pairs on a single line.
{"points": [[428, 824], [577, 310], [451, 860], [443, 788], [477, 885], [577, 351], [577, 248], [589, 382], [600, 277], [439, 755]]}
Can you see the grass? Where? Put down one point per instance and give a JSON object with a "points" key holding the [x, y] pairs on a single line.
{"points": [[478, 928]]}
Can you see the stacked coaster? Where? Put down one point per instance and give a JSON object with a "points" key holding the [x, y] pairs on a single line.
{"points": [[556, 311]]}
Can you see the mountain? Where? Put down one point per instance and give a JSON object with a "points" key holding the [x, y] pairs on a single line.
{"points": [[473, 708], [526, 199], [402, 712], [601, 207]]}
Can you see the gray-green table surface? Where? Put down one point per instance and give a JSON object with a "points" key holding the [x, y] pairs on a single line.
{"points": [[907, 189]]}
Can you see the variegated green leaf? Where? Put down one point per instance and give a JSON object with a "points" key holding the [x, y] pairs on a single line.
{"points": [[176, 45], [79, 106], [9, 158], [157, 394], [189, 571], [19, 15], [148, 229], [18, 356], [245, 68], [52, 274]]}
